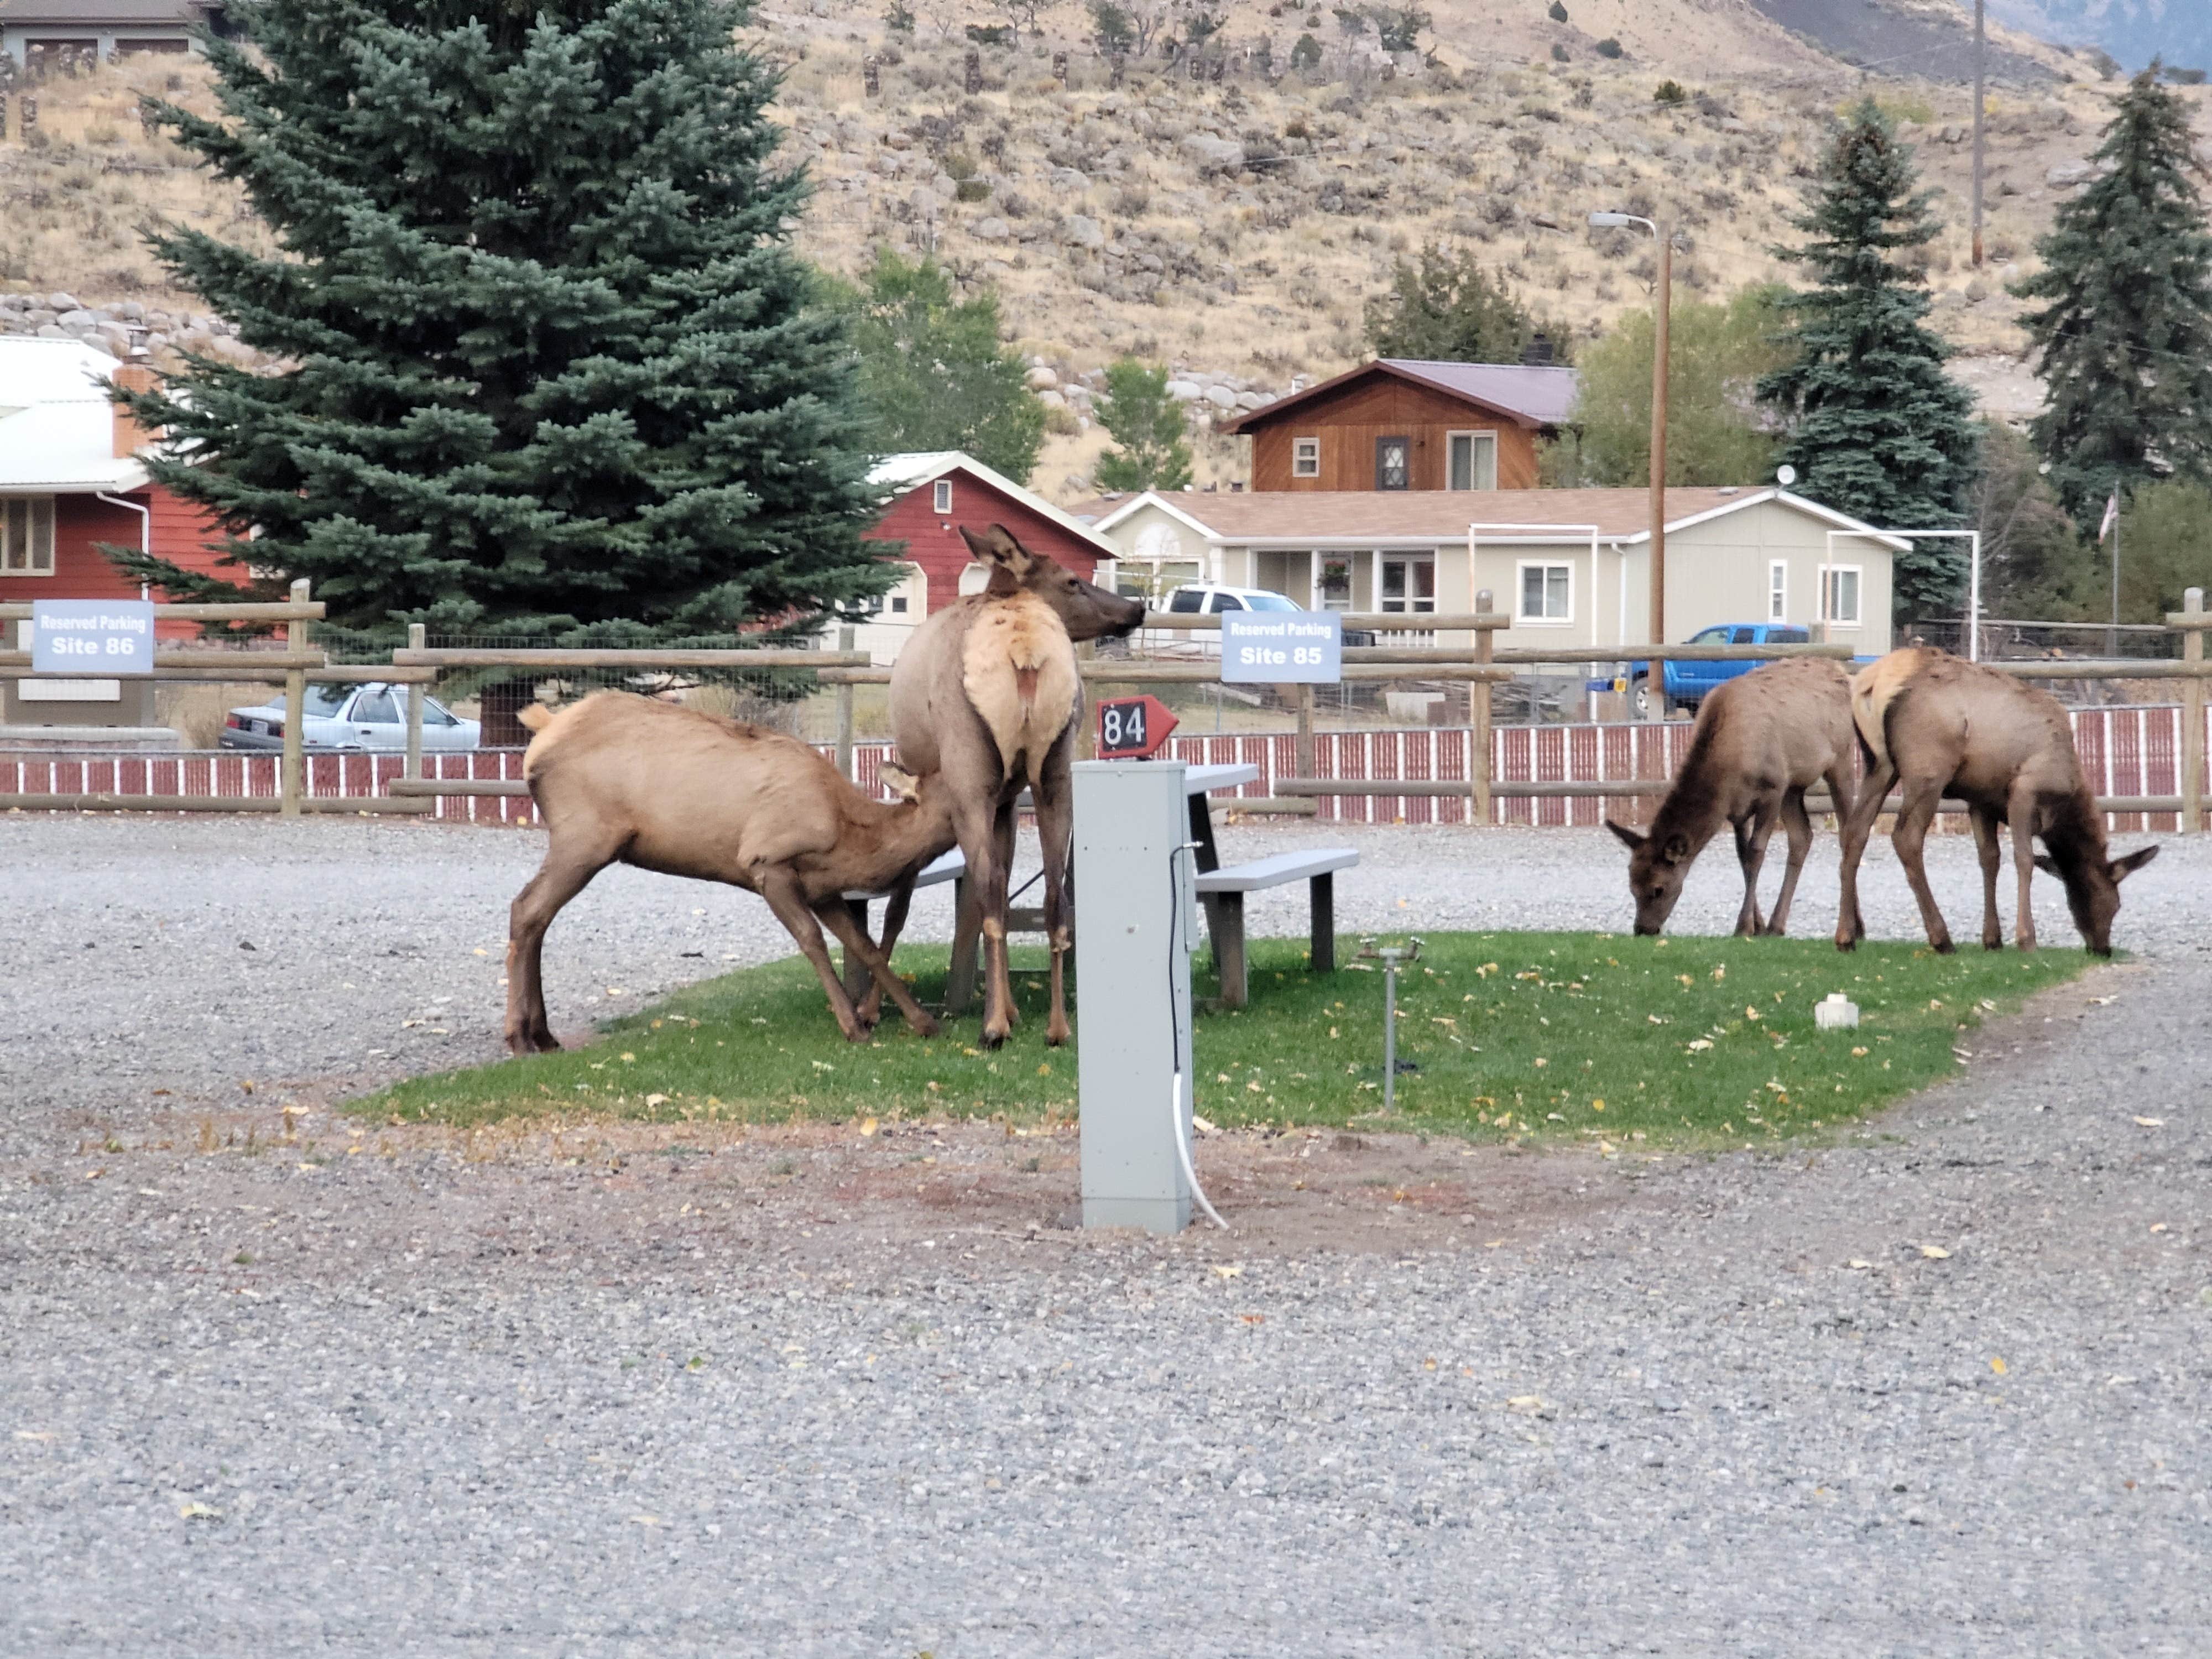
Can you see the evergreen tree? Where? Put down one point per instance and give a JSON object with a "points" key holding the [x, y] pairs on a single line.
{"points": [[2125, 336], [1147, 426], [1715, 432], [1445, 308], [934, 374], [2034, 562], [1877, 429], [547, 365]]}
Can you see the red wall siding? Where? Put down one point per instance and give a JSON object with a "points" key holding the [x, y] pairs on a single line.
{"points": [[934, 539], [180, 533]]}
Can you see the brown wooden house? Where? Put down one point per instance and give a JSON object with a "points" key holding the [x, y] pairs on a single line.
{"points": [[1399, 424]]}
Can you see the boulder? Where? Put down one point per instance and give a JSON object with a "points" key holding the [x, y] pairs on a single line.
{"points": [[1067, 180], [990, 229], [98, 343], [1221, 397], [1041, 378], [1078, 231], [60, 302], [2067, 174], [1251, 400], [1052, 399], [76, 317], [1185, 392], [1213, 154]]}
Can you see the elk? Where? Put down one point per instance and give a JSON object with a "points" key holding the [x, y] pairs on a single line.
{"points": [[987, 693], [622, 778], [1940, 724], [1759, 742]]}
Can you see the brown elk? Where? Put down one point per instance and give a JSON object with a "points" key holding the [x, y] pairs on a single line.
{"points": [[619, 778], [987, 693], [1759, 742], [1940, 724]]}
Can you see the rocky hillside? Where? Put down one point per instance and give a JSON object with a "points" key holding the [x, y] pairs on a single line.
{"points": [[1227, 213]]}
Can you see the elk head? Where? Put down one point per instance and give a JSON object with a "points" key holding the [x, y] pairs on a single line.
{"points": [[1656, 870], [1085, 609], [2093, 889]]}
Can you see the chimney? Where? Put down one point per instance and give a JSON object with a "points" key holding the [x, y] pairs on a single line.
{"points": [[130, 436], [1537, 354]]}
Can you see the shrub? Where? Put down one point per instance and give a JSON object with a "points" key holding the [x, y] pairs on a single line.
{"points": [[990, 34], [1306, 53], [1608, 47], [971, 190], [1670, 93], [1558, 11], [1559, 53], [899, 18]]}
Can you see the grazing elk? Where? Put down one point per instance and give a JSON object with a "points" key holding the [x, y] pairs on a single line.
{"points": [[619, 778], [1940, 724], [1759, 742], [987, 693]]}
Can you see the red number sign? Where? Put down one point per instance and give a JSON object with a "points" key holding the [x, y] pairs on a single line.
{"points": [[1132, 728]]}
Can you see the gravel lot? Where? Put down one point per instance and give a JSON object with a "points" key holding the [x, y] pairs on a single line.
{"points": [[1939, 1390]]}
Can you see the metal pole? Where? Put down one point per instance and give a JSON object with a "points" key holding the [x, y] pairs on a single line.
{"points": [[1974, 602], [2112, 635], [1659, 353], [1981, 42], [2192, 722], [290, 770], [418, 639], [1477, 723], [844, 707]]}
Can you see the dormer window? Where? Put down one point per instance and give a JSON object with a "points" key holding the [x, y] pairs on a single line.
{"points": [[945, 495]]}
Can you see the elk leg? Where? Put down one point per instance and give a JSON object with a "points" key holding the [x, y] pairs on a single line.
{"points": [[560, 879], [1799, 828], [1985, 842], [2022, 809], [978, 836], [1055, 827], [1751, 832], [1003, 830], [1857, 825], [1923, 795], [776, 884], [895, 914], [862, 949]]}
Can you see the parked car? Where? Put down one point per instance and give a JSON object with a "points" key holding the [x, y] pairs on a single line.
{"points": [[1205, 598], [1688, 683], [370, 716]]}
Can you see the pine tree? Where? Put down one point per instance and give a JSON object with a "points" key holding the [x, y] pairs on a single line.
{"points": [[934, 373], [1877, 429], [1147, 426], [2125, 336], [1445, 308], [548, 366]]}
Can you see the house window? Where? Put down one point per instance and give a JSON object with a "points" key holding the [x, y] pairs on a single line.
{"points": [[898, 605], [1305, 458], [1394, 462], [945, 495], [1473, 460], [1778, 591], [27, 536], [1547, 592], [1840, 595], [1332, 582], [1409, 583]]}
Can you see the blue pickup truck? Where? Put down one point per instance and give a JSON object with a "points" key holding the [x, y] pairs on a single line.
{"points": [[1688, 682]]}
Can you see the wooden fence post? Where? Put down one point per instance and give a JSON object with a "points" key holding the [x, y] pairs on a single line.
{"points": [[844, 707], [2192, 720], [1305, 731], [290, 781], [418, 638], [1086, 739], [1477, 719]]}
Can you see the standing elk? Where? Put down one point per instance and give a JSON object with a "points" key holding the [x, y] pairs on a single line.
{"points": [[1759, 742], [988, 693], [619, 778], [1942, 726]]}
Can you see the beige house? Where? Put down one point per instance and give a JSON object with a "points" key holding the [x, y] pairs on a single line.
{"points": [[1572, 567]]}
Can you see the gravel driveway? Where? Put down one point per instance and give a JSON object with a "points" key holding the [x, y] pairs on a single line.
{"points": [[1937, 1390]]}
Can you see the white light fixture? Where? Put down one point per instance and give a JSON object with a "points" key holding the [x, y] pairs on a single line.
{"points": [[1786, 475]]}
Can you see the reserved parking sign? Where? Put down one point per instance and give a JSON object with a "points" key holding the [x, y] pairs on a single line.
{"points": [[105, 637], [1276, 648]]}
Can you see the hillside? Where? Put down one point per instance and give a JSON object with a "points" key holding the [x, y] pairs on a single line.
{"points": [[2133, 31], [1236, 226]]}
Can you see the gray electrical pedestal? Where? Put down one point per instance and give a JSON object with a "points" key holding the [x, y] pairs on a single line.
{"points": [[1132, 947]]}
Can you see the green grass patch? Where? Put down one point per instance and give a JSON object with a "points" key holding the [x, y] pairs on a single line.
{"points": [[1680, 1040]]}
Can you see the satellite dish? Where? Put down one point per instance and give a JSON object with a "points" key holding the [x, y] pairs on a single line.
{"points": [[1785, 476]]}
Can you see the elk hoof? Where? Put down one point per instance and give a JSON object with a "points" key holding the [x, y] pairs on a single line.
{"points": [[1772, 930], [991, 1039], [1847, 942], [924, 1027], [1993, 944], [1943, 947], [1055, 1035]]}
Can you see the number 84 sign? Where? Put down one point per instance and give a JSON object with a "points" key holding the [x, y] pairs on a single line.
{"points": [[1131, 728]]}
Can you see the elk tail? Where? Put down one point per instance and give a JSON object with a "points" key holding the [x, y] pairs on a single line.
{"points": [[533, 716]]}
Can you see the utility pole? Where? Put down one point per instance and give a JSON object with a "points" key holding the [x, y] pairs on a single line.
{"points": [[1659, 353], [1981, 43]]}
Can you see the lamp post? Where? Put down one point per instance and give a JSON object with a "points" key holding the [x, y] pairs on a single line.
{"points": [[1656, 703]]}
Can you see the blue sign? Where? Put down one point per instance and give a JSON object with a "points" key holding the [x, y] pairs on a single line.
{"points": [[1277, 648], [105, 637]]}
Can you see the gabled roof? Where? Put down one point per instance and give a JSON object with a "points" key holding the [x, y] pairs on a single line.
{"points": [[1530, 396], [1318, 517], [90, 14], [57, 425], [896, 475]]}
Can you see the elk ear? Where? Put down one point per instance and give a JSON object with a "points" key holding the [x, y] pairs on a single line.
{"points": [[1631, 839], [2045, 863], [900, 781], [1676, 849], [2123, 868], [997, 546]]}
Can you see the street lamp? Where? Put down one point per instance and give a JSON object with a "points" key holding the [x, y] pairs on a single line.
{"points": [[1664, 303]]}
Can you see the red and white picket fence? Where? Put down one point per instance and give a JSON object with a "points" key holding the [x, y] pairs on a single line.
{"points": [[2125, 751]]}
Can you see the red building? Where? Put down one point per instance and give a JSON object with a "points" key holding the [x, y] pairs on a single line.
{"points": [[71, 479], [927, 498]]}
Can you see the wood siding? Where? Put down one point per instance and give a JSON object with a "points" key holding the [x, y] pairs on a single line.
{"points": [[180, 533], [934, 542], [1349, 422]]}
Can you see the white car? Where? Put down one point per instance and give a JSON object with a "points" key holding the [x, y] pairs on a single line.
{"points": [[1209, 599], [371, 716]]}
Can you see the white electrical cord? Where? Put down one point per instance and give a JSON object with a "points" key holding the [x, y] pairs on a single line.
{"points": [[1175, 1087]]}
